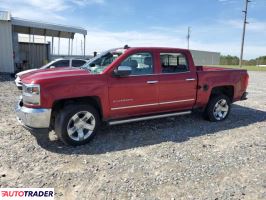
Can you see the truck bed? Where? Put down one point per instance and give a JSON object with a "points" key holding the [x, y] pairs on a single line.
{"points": [[211, 77], [210, 68]]}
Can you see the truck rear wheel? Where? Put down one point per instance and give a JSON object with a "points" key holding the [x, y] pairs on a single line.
{"points": [[218, 108], [77, 124]]}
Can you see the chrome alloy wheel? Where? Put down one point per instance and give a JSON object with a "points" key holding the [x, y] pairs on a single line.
{"points": [[221, 110], [81, 126]]}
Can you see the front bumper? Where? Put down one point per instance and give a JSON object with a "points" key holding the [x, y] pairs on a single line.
{"points": [[36, 118], [18, 83]]}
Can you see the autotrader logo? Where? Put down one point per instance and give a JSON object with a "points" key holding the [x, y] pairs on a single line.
{"points": [[27, 193]]}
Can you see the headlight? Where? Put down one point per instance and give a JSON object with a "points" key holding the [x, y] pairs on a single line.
{"points": [[31, 89], [31, 94]]}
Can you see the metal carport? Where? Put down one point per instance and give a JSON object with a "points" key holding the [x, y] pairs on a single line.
{"points": [[10, 27]]}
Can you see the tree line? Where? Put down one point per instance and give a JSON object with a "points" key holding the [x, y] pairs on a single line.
{"points": [[234, 60]]}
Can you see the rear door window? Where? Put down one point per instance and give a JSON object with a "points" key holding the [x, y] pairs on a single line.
{"points": [[173, 63]]}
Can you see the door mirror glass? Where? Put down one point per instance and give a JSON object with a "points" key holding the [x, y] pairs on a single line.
{"points": [[92, 64], [123, 71]]}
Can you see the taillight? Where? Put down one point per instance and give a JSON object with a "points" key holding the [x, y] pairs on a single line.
{"points": [[246, 80]]}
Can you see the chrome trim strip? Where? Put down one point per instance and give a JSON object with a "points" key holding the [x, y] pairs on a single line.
{"points": [[143, 105], [190, 79], [152, 82], [148, 118], [180, 101], [152, 104]]}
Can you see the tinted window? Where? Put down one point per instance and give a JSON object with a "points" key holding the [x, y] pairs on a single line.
{"points": [[173, 62], [78, 63], [141, 63], [61, 63]]}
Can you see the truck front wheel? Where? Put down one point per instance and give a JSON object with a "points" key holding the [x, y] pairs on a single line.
{"points": [[77, 124], [218, 108]]}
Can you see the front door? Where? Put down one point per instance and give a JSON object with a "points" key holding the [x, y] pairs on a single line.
{"points": [[136, 94]]}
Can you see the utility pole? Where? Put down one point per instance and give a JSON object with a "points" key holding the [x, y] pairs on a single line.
{"points": [[76, 46], [244, 32], [188, 36]]}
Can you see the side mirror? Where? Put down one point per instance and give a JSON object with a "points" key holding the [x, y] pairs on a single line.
{"points": [[123, 71], [92, 65], [51, 67]]}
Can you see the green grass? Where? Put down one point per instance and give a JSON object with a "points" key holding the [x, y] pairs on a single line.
{"points": [[249, 68]]}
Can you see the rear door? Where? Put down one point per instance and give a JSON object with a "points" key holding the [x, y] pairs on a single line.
{"points": [[136, 94], [177, 83]]}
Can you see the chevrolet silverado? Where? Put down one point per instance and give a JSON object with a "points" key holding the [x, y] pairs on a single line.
{"points": [[126, 85]]}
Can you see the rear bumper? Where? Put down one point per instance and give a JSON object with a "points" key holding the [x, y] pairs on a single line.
{"points": [[33, 118], [244, 96]]}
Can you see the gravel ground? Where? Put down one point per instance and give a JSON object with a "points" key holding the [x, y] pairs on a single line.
{"points": [[173, 158]]}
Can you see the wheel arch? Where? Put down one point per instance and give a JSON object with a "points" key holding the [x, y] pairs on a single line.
{"points": [[227, 90], [60, 104]]}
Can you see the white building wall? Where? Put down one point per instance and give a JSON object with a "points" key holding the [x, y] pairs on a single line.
{"points": [[6, 48], [205, 57]]}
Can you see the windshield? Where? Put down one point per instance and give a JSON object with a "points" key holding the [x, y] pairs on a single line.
{"points": [[48, 64], [99, 63]]}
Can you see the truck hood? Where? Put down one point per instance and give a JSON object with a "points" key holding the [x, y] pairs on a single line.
{"points": [[33, 76]]}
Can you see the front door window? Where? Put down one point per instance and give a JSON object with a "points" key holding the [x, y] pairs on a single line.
{"points": [[141, 63]]}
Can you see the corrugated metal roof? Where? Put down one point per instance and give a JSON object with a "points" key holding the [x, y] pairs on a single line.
{"points": [[44, 27], [5, 16], [41, 28]]}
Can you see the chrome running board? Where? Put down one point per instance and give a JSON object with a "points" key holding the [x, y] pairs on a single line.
{"points": [[116, 122]]}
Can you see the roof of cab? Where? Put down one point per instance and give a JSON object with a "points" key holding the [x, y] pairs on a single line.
{"points": [[156, 48]]}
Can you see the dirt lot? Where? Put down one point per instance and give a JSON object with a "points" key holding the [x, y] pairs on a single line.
{"points": [[174, 158]]}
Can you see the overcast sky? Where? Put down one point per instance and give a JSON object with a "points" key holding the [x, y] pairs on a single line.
{"points": [[216, 24]]}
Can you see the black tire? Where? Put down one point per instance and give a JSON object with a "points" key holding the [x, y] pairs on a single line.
{"points": [[209, 113], [63, 118]]}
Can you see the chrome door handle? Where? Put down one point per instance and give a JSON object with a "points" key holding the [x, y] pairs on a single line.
{"points": [[190, 79], [152, 82]]}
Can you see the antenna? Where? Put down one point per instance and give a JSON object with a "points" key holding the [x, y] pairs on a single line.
{"points": [[244, 32], [188, 36]]}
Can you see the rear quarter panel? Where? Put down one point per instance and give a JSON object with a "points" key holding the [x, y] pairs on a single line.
{"points": [[213, 77]]}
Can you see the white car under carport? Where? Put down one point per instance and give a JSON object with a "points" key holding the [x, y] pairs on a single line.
{"points": [[60, 62]]}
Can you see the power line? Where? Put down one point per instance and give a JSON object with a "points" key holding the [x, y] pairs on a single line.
{"points": [[244, 32]]}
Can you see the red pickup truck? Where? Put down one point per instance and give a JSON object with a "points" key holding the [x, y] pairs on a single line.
{"points": [[126, 85]]}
